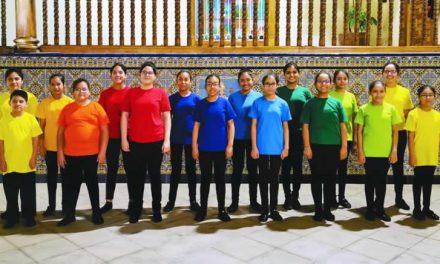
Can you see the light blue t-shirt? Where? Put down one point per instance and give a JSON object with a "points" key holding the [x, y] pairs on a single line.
{"points": [[241, 103], [270, 116]]}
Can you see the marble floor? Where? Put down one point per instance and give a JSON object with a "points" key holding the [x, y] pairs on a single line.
{"points": [[179, 239]]}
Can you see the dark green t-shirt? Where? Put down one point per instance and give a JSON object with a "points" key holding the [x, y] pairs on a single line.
{"points": [[324, 116], [295, 98]]}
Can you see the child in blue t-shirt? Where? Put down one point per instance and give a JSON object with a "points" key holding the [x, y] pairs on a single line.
{"points": [[241, 102], [270, 143], [212, 139], [183, 104]]}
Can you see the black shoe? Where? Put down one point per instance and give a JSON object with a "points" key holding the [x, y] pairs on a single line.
{"points": [[168, 207], [200, 216], [50, 211], [222, 215], [9, 225], [417, 214], [383, 216], [133, 219], [3, 215], [107, 207], [97, 219], [263, 217], [344, 203], [157, 217], [318, 217], [194, 206], [275, 216], [430, 214], [30, 222], [334, 204], [329, 216], [296, 204], [256, 207], [233, 207], [129, 208], [66, 220], [288, 203], [370, 215], [402, 204]]}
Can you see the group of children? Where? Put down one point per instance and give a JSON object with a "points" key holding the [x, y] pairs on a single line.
{"points": [[267, 132]]}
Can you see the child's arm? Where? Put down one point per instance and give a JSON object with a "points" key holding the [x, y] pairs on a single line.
{"points": [[103, 142], [60, 146], [3, 166], [42, 123], [255, 154], [411, 149], [195, 139], [33, 160], [360, 144], [285, 151], [231, 133], [306, 141], [124, 126], [166, 117], [355, 126], [393, 155], [343, 151]]}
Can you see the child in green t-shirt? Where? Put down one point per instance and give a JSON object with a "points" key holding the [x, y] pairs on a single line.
{"points": [[377, 136], [19, 133], [423, 124]]}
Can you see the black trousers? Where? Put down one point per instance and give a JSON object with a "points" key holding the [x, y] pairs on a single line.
{"points": [[398, 166], [208, 160], [293, 161], [24, 184], [323, 165], [145, 157], [342, 174], [77, 169], [269, 168], [423, 178], [376, 170], [242, 150], [112, 156], [52, 178], [176, 169]]}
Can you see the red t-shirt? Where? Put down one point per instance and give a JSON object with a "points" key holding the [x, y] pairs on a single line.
{"points": [[82, 128], [145, 108], [112, 100]]}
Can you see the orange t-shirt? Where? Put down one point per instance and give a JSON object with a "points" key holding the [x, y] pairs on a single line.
{"points": [[82, 128]]}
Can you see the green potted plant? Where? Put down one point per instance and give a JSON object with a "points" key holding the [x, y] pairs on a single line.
{"points": [[362, 21]]}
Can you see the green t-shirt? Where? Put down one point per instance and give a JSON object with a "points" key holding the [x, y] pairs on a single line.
{"points": [[349, 103], [295, 98], [324, 116], [378, 121]]}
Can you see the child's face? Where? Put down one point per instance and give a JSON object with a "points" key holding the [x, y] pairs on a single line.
{"points": [[14, 82], [213, 86], [390, 73], [246, 82], [118, 75], [270, 86], [377, 94], [323, 84], [56, 87], [341, 80], [18, 104], [183, 82], [427, 98], [147, 76], [291, 75], [81, 92]]}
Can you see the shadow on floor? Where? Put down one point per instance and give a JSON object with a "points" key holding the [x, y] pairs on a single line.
{"points": [[360, 223]]}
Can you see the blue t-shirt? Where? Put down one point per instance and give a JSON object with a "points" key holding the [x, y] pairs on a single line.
{"points": [[213, 118], [241, 103], [270, 116], [182, 122]]}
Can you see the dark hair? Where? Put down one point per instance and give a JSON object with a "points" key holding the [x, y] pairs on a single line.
{"points": [[20, 93], [319, 74], [391, 63], [182, 72], [124, 69], [337, 72], [57, 75], [268, 75], [12, 70], [290, 64], [78, 81], [210, 76], [424, 87], [374, 83], [243, 71], [149, 64]]}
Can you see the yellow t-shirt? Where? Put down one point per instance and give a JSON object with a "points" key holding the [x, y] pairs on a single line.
{"points": [[426, 126], [49, 109], [5, 107], [349, 103], [401, 99], [16, 134]]}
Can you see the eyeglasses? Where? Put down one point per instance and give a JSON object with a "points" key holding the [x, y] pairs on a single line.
{"points": [[212, 84], [324, 82], [270, 84], [392, 72], [147, 72], [427, 95], [81, 90]]}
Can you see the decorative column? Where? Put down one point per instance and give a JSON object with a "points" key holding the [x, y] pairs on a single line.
{"points": [[25, 26]]}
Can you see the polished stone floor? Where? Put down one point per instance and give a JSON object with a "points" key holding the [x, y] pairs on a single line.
{"points": [[179, 239]]}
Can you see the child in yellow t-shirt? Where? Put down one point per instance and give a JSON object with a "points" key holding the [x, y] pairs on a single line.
{"points": [[19, 133], [423, 124]]}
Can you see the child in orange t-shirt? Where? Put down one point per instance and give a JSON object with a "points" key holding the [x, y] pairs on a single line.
{"points": [[82, 143]]}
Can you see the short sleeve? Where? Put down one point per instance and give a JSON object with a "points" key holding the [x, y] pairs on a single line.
{"points": [[355, 105], [395, 118], [32, 104], [308, 94], [41, 110], [125, 106], [341, 113], [1, 129], [359, 119], [198, 112], [165, 102], [35, 127], [285, 114], [408, 104], [102, 98], [410, 124], [305, 115], [253, 112], [62, 118], [102, 115], [230, 113]]}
